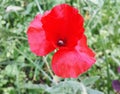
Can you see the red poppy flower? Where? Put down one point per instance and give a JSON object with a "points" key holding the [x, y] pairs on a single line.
{"points": [[61, 28]]}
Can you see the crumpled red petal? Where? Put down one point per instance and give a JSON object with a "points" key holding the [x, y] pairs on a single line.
{"points": [[70, 64], [63, 22], [37, 39]]}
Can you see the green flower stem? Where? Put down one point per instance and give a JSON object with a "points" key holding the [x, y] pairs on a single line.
{"points": [[44, 58], [48, 66], [38, 5], [32, 62], [107, 64]]}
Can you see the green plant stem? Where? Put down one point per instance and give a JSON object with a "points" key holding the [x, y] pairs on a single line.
{"points": [[48, 66], [108, 73], [38, 5], [107, 64], [108, 77], [44, 58], [31, 61]]}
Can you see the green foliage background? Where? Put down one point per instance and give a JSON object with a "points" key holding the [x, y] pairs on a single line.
{"points": [[21, 72]]}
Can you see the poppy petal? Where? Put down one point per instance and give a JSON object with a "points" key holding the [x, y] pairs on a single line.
{"points": [[70, 64], [82, 46], [37, 39], [63, 22]]}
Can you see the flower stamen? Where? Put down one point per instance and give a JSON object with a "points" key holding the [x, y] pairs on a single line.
{"points": [[60, 43]]}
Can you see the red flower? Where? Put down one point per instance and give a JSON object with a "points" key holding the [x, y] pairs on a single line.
{"points": [[62, 28]]}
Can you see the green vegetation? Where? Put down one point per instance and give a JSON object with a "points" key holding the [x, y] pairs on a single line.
{"points": [[21, 72]]}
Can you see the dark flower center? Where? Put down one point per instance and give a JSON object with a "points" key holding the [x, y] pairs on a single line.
{"points": [[61, 43]]}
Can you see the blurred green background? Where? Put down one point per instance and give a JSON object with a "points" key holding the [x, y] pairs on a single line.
{"points": [[21, 72]]}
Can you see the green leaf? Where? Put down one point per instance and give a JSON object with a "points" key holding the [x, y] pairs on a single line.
{"points": [[91, 91], [68, 87], [90, 80], [98, 2], [34, 86], [11, 70]]}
